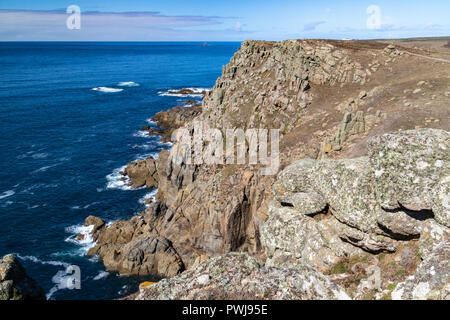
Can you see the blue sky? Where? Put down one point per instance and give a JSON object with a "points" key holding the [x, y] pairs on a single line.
{"points": [[226, 20]]}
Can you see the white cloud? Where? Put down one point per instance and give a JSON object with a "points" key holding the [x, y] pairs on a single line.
{"points": [[106, 26]]}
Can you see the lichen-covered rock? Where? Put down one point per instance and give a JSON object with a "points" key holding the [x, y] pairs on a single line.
{"points": [[305, 203], [441, 199], [411, 170], [347, 187], [237, 276], [15, 284], [400, 224], [432, 278], [291, 238], [357, 193]]}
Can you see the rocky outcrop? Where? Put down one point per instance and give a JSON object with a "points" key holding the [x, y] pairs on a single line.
{"points": [[375, 203], [237, 276], [172, 119], [15, 284], [134, 247], [268, 84], [412, 170], [142, 173]]}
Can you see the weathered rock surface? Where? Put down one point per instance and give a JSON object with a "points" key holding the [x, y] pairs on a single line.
{"points": [[142, 173], [15, 284], [134, 247], [411, 170], [401, 167], [432, 278], [239, 276]]}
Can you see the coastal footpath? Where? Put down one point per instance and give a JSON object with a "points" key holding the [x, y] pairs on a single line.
{"points": [[358, 210]]}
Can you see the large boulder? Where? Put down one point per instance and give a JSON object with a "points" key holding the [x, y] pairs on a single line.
{"points": [[15, 284], [134, 247], [237, 276], [412, 170], [142, 173]]}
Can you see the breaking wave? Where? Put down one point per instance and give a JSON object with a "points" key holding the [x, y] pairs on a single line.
{"points": [[107, 89]]}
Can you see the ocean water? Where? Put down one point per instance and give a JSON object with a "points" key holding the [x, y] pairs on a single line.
{"points": [[70, 115]]}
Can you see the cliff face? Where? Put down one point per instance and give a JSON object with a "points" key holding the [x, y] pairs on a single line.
{"points": [[330, 100]]}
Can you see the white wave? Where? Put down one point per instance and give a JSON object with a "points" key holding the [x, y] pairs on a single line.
{"points": [[86, 242], [34, 155], [107, 89], [101, 275], [141, 134], [36, 260], [40, 155], [45, 168], [84, 207], [195, 92], [118, 181], [7, 193], [165, 144], [128, 84], [151, 195], [151, 122]]}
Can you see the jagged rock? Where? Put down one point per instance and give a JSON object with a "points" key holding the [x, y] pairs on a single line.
{"points": [[96, 222], [237, 276], [142, 173], [15, 284], [133, 247], [353, 123], [175, 118]]}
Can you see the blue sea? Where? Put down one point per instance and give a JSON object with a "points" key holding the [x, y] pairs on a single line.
{"points": [[70, 115]]}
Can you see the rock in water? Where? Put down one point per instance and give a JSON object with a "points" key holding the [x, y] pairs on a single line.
{"points": [[15, 284]]}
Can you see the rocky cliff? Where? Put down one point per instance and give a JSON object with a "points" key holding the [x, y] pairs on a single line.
{"points": [[349, 194]]}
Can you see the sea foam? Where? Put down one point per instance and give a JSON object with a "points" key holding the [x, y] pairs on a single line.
{"points": [[101, 275], [118, 181], [107, 89], [151, 195], [7, 194], [128, 84], [195, 92], [86, 242]]}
